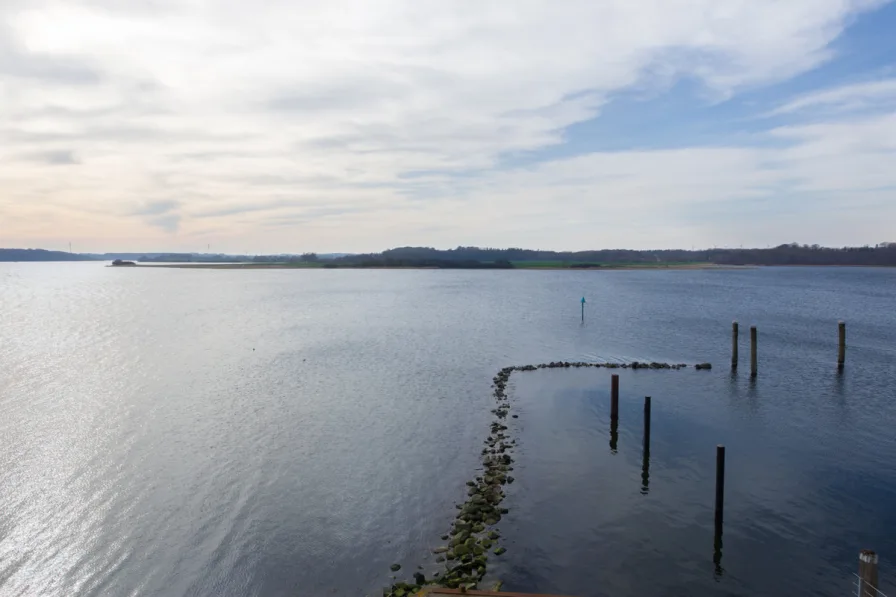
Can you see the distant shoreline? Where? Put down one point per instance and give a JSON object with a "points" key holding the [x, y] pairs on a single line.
{"points": [[696, 266]]}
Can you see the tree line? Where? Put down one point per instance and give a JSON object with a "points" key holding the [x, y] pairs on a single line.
{"points": [[883, 254], [787, 254]]}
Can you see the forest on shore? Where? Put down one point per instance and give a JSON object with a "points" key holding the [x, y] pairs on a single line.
{"points": [[883, 254]]}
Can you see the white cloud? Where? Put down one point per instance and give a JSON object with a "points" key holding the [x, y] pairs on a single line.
{"points": [[847, 98], [356, 125]]}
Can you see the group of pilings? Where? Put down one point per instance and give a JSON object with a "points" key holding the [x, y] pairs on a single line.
{"points": [[754, 348], [645, 462], [867, 578], [473, 532], [473, 536]]}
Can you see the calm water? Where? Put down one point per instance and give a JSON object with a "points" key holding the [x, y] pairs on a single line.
{"points": [[195, 432]]}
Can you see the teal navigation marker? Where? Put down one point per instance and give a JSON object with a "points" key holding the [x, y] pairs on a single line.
{"points": [[583, 309]]}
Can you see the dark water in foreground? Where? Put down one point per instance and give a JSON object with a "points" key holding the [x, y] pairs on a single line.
{"points": [[195, 432]]}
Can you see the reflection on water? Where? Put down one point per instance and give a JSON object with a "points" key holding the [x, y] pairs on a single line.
{"points": [[277, 432], [645, 450], [614, 435], [717, 551]]}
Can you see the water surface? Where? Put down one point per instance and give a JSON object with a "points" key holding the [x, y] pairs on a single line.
{"points": [[283, 432]]}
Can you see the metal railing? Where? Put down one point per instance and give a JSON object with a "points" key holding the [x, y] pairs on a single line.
{"points": [[863, 589]]}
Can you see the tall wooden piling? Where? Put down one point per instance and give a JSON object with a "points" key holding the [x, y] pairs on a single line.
{"points": [[720, 487], [647, 422], [868, 574], [754, 355], [841, 354], [614, 398], [734, 334]]}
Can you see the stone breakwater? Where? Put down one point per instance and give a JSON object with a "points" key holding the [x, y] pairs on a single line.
{"points": [[473, 535]]}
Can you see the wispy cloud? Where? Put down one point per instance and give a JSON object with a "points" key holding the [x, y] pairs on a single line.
{"points": [[155, 208], [847, 98], [169, 222], [57, 157]]}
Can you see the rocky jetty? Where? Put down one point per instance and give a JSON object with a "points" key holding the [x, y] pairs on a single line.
{"points": [[473, 535]]}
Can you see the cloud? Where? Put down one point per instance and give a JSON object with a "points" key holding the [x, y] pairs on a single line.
{"points": [[20, 63], [848, 98], [168, 223], [370, 125], [155, 208], [59, 157], [160, 213]]}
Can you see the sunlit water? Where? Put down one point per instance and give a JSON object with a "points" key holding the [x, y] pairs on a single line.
{"points": [[283, 432]]}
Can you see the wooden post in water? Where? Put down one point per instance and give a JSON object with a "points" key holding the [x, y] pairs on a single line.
{"points": [[647, 422], [720, 487], [734, 333], [754, 357], [868, 574], [841, 354], [614, 398]]}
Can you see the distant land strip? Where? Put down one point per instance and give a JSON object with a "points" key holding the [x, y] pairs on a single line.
{"points": [[478, 265], [883, 254]]}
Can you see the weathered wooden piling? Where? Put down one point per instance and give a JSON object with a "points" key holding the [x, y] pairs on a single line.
{"points": [[614, 435], [734, 334], [720, 487], [754, 355], [868, 574], [614, 398], [647, 422], [841, 354]]}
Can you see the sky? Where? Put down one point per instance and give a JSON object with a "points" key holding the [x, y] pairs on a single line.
{"points": [[338, 125]]}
